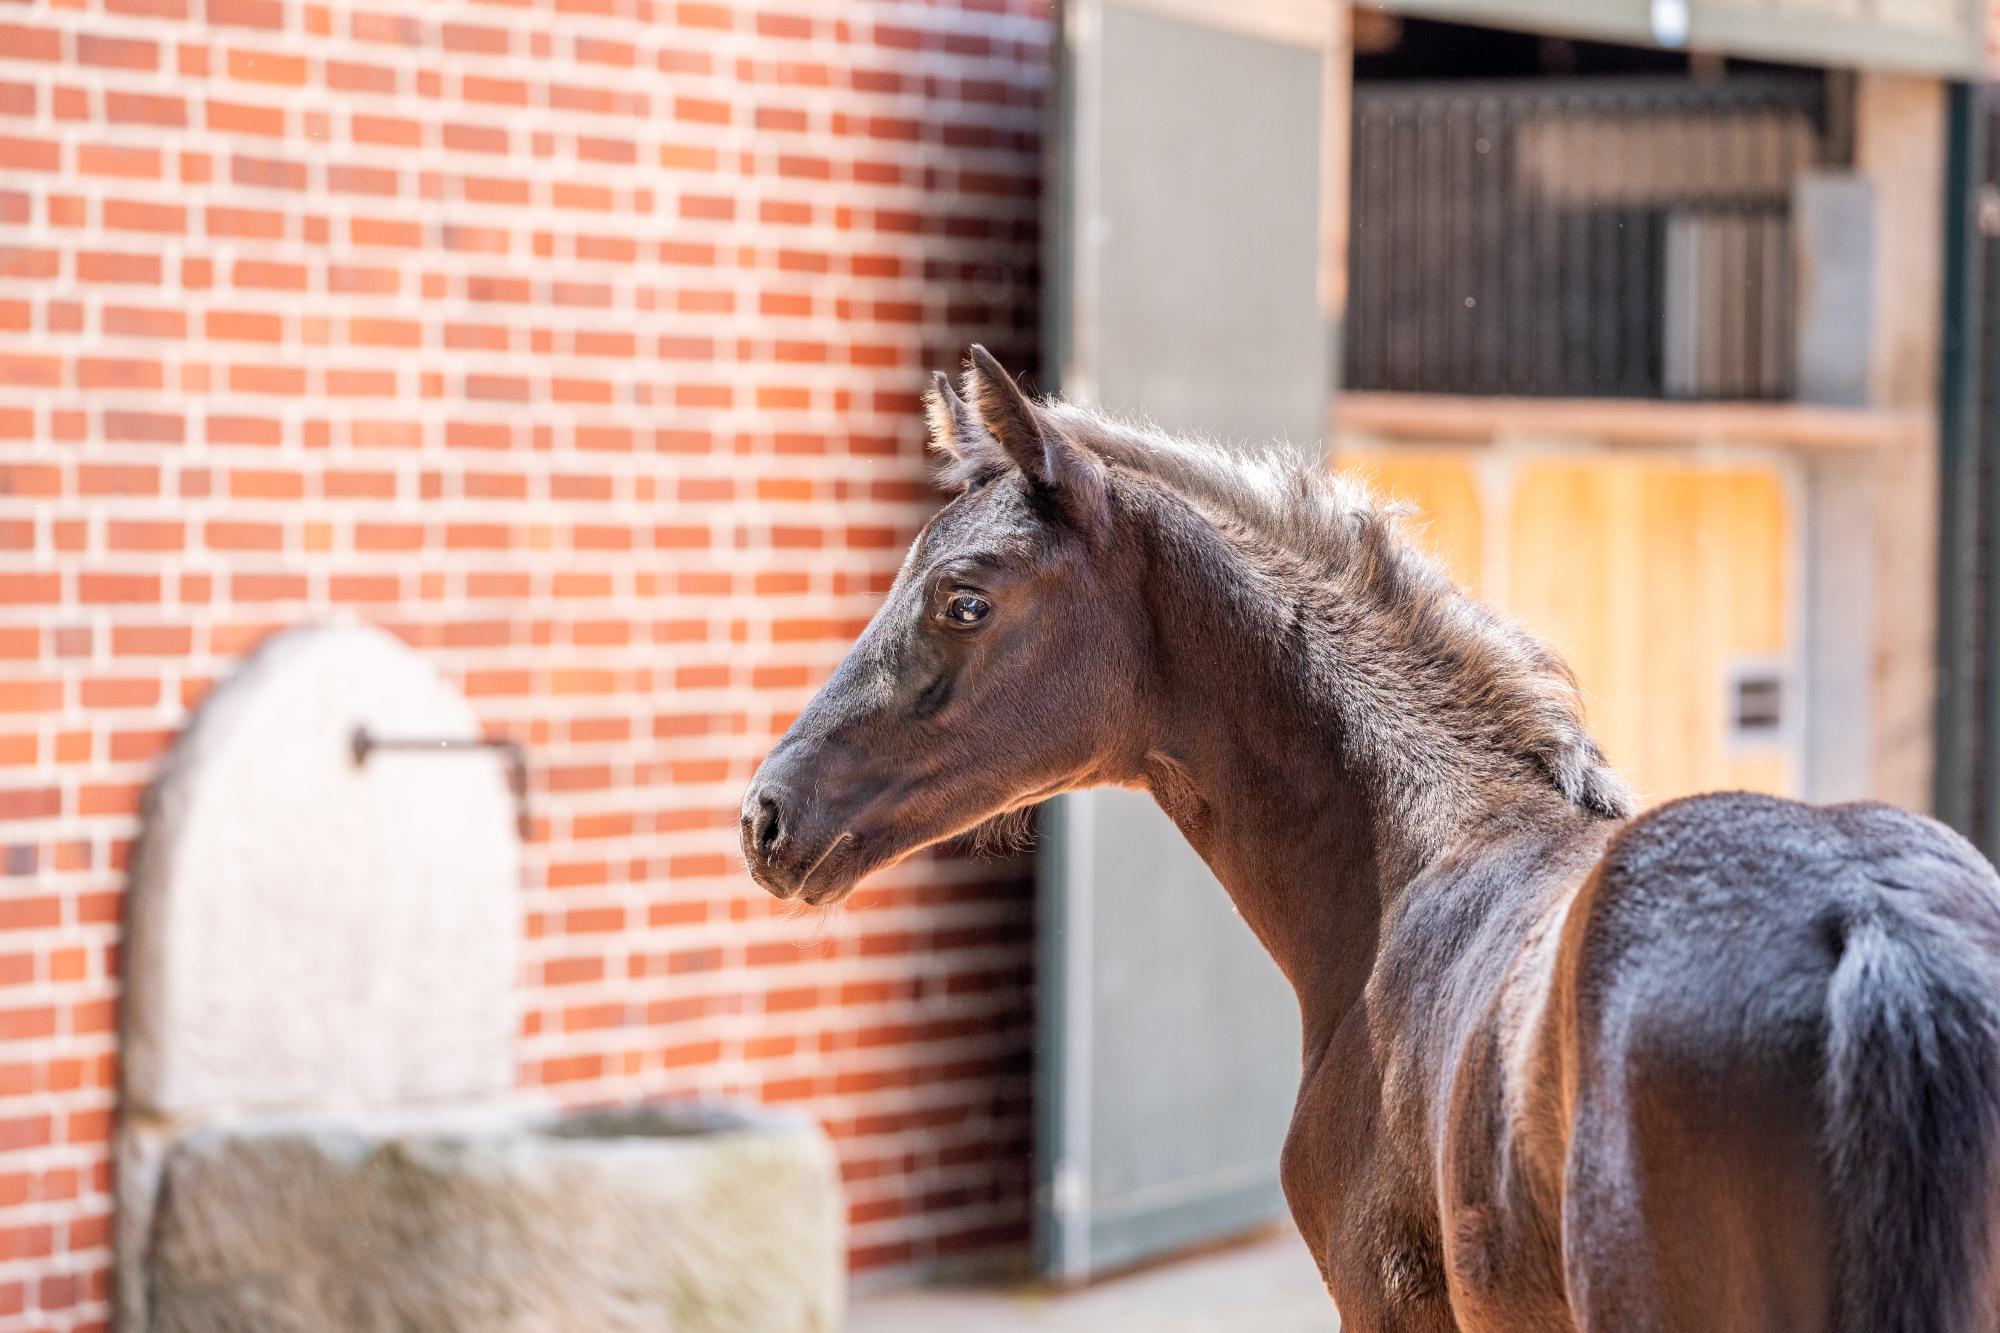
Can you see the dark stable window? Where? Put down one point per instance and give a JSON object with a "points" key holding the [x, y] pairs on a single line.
{"points": [[1580, 234]]}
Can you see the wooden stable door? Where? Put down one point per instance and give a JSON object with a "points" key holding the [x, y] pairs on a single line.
{"points": [[1668, 582]]}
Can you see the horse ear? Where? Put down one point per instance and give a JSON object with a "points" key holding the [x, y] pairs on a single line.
{"points": [[953, 427], [1034, 443], [1010, 417]]}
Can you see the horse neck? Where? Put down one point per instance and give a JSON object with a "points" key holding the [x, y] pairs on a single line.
{"points": [[1277, 780]]}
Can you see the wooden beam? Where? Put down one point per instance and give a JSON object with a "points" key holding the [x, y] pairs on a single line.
{"points": [[1312, 23], [1820, 35], [1456, 419]]}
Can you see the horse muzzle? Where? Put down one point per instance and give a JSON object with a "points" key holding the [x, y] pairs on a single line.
{"points": [[790, 850]]}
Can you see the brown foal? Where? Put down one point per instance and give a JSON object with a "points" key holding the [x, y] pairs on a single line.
{"points": [[1733, 1064]]}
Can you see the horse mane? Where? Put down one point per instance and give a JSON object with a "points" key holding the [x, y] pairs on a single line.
{"points": [[1498, 683]]}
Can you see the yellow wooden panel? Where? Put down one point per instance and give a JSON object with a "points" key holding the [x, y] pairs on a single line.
{"points": [[1755, 580], [1449, 522], [1679, 678], [1759, 573], [1568, 559], [1655, 578]]}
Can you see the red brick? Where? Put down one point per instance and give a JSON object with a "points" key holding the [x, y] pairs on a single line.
{"points": [[104, 266], [24, 42], [239, 536], [392, 131], [107, 160], [144, 109], [352, 76], [267, 379], [144, 322], [243, 326], [118, 479], [232, 429], [269, 275], [477, 38], [108, 372], [25, 588], [267, 67], [465, 138], [344, 179], [385, 232], [254, 223], [267, 172], [243, 118], [98, 588], [121, 692], [692, 15], [266, 484], [25, 154], [267, 587], [113, 52], [30, 371], [245, 13], [701, 111], [150, 641], [135, 215], [145, 534], [23, 1025]]}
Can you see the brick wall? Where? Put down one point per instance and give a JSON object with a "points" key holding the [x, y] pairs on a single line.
{"points": [[579, 343]]}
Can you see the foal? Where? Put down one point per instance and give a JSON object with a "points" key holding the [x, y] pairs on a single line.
{"points": [[1730, 1065]]}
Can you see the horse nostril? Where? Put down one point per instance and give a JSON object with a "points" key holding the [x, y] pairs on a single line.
{"points": [[768, 827]]}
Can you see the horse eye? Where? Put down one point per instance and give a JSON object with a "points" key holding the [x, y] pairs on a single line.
{"points": [[966, 609]]}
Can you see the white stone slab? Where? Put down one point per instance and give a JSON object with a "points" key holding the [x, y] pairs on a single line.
{"points": [[307, 932]]}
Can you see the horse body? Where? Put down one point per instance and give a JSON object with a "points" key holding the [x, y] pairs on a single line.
{"points": [[1611, 1106], [1733, 1064]]}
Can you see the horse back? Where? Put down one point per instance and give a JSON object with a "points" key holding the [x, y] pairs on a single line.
{"points": [[1723, 1069]]}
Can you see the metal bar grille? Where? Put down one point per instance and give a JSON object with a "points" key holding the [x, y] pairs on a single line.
{"points": [[1616, 237]]}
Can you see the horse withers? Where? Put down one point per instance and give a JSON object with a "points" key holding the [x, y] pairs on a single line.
{"points": [[1732, 1064]]}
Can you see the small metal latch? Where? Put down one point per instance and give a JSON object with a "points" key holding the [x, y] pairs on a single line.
{"points": [[364, 743]]}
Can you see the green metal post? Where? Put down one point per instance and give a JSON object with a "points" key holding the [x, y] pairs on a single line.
{"points": [[1959, 750]]}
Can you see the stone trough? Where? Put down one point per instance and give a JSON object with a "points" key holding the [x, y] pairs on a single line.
{"points": [[320, 1131], [655, 1219]]}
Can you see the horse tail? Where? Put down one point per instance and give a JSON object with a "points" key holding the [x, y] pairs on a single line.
{"points": [[1912, 1101]]}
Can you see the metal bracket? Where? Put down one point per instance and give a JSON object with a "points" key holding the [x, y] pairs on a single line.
{"points": [[513, 753]]}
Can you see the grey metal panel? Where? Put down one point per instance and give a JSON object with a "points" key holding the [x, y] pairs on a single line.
{"points": [[1835, 211], [1187, 222], [1194, 1048], [1209, 250], [1834, 36], [1836, 217]]}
